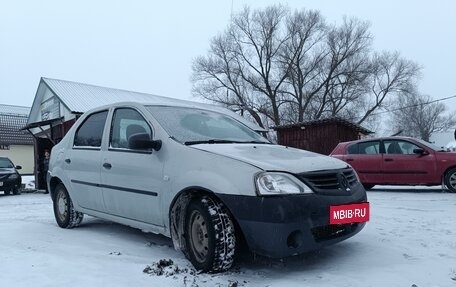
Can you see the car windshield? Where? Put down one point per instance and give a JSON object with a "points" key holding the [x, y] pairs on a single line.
{"points": [[430, 145], [5, 163], [195, 126]]}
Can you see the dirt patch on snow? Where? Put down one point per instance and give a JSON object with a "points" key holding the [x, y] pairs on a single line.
{"points": [[188, 276]]}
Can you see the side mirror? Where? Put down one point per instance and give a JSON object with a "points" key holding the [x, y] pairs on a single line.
{"points": [[420, 151], [18, 167], [142, 141]]}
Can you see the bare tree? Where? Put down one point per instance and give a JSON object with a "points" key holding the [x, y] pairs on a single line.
{"points": [[302, 55], [244, 63], [281, 67], [417, 116], [392, 76]]}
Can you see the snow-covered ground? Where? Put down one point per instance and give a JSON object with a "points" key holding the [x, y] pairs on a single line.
{"points": [[410, 241]]}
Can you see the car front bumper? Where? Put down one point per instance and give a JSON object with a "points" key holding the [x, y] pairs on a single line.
{"points": [[9, 184], [285, 225]]}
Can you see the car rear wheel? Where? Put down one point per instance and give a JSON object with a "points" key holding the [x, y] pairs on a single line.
{"points": [[64, 213], [450, 180], [7, 192], [210, 235]]}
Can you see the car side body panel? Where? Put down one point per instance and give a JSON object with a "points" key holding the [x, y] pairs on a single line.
{"points": [[392, 168]]}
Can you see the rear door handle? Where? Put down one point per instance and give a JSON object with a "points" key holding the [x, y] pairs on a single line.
{"points": [[107, 165], [388, 159], [67, 160], [350, 159]]}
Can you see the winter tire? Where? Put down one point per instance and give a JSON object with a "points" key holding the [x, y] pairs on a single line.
{"points": [[64, 213], [450, 180], [210, 235]]}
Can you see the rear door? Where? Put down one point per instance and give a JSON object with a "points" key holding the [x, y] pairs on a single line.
{"points": [[403, 166], [131, 178], [366, 159], [83, 162]]}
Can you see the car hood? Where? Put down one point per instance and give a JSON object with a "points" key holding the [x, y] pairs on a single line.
{"points": [[274, 157], [6, 170]]}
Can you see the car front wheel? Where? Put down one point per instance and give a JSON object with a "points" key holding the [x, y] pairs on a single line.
{"points": [[210, 235], [450, 180], [64, 213]]}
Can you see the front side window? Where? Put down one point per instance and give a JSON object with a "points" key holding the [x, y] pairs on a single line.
{"points": [[192, 126], [400, 147], [126, 123], [90, 133]]}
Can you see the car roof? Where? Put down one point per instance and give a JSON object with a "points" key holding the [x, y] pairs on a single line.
{"points": [[378, 138]]}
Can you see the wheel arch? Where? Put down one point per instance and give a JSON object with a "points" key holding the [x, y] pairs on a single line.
{"points": [[53, 184], [444, 175], [178, 208], [447, 170]]}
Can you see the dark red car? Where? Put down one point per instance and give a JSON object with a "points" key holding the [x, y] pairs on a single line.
{"points": [[399, 161]]}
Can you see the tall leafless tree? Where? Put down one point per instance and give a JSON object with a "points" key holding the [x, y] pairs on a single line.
{"points": [[278, 66], [418, 116]]}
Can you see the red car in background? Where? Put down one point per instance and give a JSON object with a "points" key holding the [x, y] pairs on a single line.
{"points": [[399, 161]]}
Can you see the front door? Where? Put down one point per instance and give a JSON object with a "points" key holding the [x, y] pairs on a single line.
{"points": [[402, 166], [131, 178]]}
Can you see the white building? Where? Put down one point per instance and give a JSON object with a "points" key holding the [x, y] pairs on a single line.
{"points": [[15, 143]]}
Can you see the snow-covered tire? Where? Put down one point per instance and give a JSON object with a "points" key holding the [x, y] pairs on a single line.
{"points": [[450, 180], [209, 235], [64, 213], [7, 192]]}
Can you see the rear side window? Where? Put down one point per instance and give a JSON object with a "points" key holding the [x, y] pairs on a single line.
{"points": [[369, 147], [364, 148], [90, 133], [353, 149]]}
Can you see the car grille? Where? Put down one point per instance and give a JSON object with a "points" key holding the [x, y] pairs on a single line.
{"points": [[329, 232], [338, 182]]}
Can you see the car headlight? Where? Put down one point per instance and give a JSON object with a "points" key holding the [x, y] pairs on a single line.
{"points": [[13, 176], [274, 183]]}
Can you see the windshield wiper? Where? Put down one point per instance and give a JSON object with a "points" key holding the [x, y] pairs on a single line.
{"points": [[211, 141], [221, 141]]}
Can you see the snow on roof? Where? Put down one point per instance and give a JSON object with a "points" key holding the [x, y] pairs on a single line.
{"points": [[14, 110]]}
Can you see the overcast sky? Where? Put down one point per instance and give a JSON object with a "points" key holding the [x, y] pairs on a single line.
{"points": [[148, 46]]}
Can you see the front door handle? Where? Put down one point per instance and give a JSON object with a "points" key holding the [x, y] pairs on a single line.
{"points": [[350, 159], [67, 160], [107, 165], [388, 159]]}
